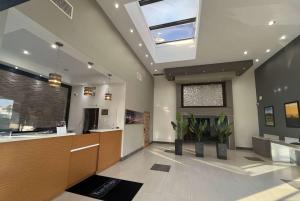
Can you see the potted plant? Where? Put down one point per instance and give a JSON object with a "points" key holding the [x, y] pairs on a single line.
{"points": [[198, 129], [223, 130], [180, 127]]}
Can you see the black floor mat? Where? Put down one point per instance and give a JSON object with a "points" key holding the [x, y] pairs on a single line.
{"points": [[106, 188], [161, 167], [254, 159]]}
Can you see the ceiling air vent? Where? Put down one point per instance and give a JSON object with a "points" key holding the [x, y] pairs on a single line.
{"points": [[64, 6]]}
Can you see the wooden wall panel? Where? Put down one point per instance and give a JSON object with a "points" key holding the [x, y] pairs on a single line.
{"points": [[110, 149], [34, 170], [84, 140], [83, 164]]}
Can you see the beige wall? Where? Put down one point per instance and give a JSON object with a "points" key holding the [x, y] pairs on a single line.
{"points": [[164, 109], [92, 33], [245, 109]]}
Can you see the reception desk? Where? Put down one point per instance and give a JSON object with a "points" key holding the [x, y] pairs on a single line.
{"points": [[42, 167]]}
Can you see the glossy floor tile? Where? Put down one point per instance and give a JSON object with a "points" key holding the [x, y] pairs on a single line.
{"points": [[208, 178]]}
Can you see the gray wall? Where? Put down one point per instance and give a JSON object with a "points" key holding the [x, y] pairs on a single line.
{"points": [[281, 71]]}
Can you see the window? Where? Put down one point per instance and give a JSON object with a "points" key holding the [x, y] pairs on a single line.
{"points": [[170, 20]]}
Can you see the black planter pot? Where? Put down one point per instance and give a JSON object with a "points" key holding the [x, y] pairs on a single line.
{"points": [[199, 149], [178, 147], [222, 151]]}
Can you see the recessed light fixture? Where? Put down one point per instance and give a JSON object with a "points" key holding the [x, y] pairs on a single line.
{"points": [[151, 63], [272, 22], [245, 52], [41, 76], [116, 5], [26, 52], [16, 67], [155, 70], [140, 44], [131, 30], [268, 50], [256, 60], [283, 37], [146, 55], [90, 65], [54, 46]]}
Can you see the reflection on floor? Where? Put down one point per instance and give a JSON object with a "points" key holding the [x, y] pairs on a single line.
{"points": [[197, 179]]}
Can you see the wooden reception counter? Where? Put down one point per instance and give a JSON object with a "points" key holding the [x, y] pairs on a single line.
{"points": [[42, 167]]}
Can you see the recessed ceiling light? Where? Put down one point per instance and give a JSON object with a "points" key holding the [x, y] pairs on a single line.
{"points": [[54, 46], [140, 44], [41, 76], [151, 63], [116, 5], [90, 65], [146, 55], [16, 67], [268, 50], [272, 22], [26, 52], [155, 70], [256, 60], [131, 30], [245, 52], [283, 37]]}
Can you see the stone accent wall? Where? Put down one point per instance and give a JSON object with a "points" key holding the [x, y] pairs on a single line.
{"points": [[35, 103]]}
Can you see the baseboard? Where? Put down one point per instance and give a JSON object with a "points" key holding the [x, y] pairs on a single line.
{"points": [[244, 148], [162, 142], [132, 153]]}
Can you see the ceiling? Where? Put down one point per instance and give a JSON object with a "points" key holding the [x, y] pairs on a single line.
{"points": [[227, 29], [42, 58]]}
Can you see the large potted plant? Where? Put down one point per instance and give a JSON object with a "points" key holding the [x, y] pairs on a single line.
{"points": [[180, 127], [198, 128], [223, 130]]}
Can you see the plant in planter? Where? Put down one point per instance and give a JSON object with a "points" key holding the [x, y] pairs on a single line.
{"points": [[180, 127], [223, 130], [198, 129]]}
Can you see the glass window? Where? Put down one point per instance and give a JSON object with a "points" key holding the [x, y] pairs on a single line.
{"points": [[167, 11], [174, 33]]}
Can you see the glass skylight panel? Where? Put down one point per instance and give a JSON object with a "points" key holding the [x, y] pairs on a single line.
{"points": [[170, 20], [166, 11], [174, 33]]}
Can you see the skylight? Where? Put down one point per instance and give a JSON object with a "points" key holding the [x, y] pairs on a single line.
{"points": [[170, 20]]}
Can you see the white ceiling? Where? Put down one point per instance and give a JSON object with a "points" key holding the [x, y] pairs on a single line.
{"points": [[23, 34], [226, 30]]}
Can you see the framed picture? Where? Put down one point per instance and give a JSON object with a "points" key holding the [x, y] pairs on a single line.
{"points": [[292, 114], [134, 117], [269, 116]]}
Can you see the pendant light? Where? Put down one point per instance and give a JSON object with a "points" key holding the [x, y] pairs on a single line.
{"points": [[55, 78], [108, 95], [88, 91]]}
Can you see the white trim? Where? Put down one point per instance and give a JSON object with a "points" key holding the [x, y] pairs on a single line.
{"points": [[86, 147]]}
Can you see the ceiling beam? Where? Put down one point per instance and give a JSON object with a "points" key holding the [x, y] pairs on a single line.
{"points": [[239, 67]]}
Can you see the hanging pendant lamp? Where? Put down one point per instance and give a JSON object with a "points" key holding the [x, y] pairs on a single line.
{"points": [[108, 95], [55, 79]]}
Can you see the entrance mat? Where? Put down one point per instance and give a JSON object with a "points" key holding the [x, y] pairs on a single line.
{"points": [[169, 151], [254, 159], [106, 188], [161, 167]]}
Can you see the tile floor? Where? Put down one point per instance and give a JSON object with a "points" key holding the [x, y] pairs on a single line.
{"points": [[197, 179]]}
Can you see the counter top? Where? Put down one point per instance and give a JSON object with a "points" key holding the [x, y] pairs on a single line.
{"points": [[281, 142], [105, 130], [4, 139]]}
